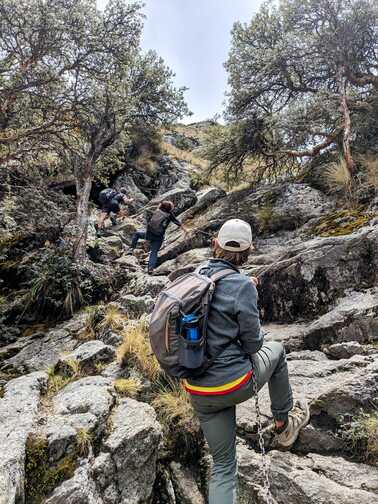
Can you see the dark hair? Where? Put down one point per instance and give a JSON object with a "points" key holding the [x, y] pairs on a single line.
{"points": [[166, 206], [235, 258], [123, 190]]}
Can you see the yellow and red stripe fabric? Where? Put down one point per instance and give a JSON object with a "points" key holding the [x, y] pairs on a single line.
{"points": [[227, 388]]}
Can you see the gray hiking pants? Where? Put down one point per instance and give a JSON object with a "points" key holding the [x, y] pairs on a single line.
{"points": [[218, 418]]}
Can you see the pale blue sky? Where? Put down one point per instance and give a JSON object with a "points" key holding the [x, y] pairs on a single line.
{"points": [[193, 37]]}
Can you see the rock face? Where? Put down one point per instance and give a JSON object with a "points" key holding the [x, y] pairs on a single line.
{"points": [[281, 208], [333, 388], [312, 479], [87, 356], [18, 411], [133, 445], [124, 472], [41, 350], [316, 273]]}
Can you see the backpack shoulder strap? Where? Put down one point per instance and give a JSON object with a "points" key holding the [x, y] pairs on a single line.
{"points": [[221, 274]]}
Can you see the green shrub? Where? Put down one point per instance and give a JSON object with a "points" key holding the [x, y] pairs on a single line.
{"points": [[57, 286]]}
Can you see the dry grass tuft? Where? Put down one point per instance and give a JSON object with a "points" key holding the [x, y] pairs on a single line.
{"points": [[187, 156], [173, 405], [113, 319], [128, 387], [370, 424], [102, 318], [72, 371], [371, 165], [362, 437], [136, 350], [337, 177]]}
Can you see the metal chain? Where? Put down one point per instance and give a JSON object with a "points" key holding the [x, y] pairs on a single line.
{"points": [[265, 468]]}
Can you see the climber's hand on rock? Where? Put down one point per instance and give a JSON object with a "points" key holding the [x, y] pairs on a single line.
{"points": [[255, 280]]}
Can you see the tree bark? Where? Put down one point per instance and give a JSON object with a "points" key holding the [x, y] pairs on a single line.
{"points": [[314, 151], [83, 189], [347, 136]]}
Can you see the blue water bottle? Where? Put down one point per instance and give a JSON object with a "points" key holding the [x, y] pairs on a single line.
{"points": [[190, 324]]}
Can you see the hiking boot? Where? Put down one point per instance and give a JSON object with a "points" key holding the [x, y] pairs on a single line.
{"points": [[298, 418]]}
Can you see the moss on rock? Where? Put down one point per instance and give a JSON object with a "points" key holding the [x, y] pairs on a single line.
{"points": [[41, 477], [343, 222]]}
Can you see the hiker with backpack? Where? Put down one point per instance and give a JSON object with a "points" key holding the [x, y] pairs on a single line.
{"points": [[205, 329], [110, 202], [157, 224]]}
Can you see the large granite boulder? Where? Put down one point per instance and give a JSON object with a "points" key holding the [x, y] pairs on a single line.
{"points": [[313, 479], [82, 405], [317, 272], [18, 412], [353, 319], [336, 390], [133, 445], [283, 207], [41, 350], [86, 356]]}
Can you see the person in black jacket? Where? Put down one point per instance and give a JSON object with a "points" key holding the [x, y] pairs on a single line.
{"points": [[156, 227], [110, 202]]}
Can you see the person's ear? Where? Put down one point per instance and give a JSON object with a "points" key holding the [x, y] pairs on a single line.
{"points": [[214, 243]]}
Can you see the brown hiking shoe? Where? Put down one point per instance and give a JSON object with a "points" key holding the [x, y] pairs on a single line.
{"points": [[298, 418]]}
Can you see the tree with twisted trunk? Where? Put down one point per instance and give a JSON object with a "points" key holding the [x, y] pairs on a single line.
{"points": [[74, 81], [301, 76]]}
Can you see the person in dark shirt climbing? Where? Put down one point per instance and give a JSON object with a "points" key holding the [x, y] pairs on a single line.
{"points": [[110, 202], [157, 224]]}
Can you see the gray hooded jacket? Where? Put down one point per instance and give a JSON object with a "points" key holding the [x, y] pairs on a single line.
{"points": [[233, 314]]}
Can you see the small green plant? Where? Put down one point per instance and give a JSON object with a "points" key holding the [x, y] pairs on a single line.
{"points": [[84, 441], [265, 215], [41, 477], [361, 437], [128, 387]]}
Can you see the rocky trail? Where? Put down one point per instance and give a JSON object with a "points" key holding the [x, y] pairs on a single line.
{"points": [[73, 432]]}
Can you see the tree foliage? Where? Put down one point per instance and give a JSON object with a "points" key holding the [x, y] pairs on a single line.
{"points": [[303, 76]]}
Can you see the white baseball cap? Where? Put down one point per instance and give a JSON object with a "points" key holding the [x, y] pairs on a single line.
{"points": [[235, 235]]}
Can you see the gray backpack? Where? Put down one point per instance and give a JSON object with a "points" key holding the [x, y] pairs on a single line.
{"points": [[158, 222], [189, 294]]}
